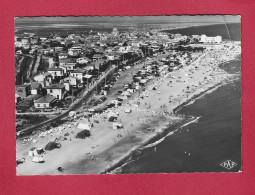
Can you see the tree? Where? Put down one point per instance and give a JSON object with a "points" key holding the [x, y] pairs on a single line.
{"points": [[125, 44]]}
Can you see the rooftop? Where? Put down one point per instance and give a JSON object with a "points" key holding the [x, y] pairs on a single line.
{"points": [[22, 86], [56, 86], [35, 85], [55, 69], [78, 70], [45, 99], [67, 60], [46, 74]]}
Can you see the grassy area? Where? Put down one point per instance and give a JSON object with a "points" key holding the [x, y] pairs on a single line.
{"points": [[44, 65], [23, 67], [28, 120]]}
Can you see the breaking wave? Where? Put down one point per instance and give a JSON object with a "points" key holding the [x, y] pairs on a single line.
{"points": [[193, 121]]}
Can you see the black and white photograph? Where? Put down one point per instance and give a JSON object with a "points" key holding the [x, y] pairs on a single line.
{"points": [[128, 94]]}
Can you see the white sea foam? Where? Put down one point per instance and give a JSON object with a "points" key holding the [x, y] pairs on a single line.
{"points": [[193, 121], [160, 140], [170, 133]]}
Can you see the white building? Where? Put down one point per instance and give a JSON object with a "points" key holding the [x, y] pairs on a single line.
{"points": [[115, 32], [56, 90], [205, 39], [110, 57], [82, 60], [56, 72], [45, 102], [78, 73], [74, 51], [44, 79]]}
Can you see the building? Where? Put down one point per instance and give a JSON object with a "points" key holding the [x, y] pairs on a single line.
{"points": [[58, 49], [68, 67], [205, 39], [47, 101], [57, 73], [115, 32], [23, 90], [74, 51], [57, 90], [83, 60], [110, 57], [73, 81], [98, 57], [62, 55], [36, 88], [25, 40], [67, 61], [44, 79], [78, 73]]}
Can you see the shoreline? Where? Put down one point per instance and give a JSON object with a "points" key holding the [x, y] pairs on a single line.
{"points": [[195, 25], [113, 154], [184, 119]]}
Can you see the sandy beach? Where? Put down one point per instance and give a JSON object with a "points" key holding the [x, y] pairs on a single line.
{"points": [[152, 110]]}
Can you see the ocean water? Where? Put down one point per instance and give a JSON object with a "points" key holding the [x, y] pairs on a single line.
{"points": [[202, 144], [228, 31]]}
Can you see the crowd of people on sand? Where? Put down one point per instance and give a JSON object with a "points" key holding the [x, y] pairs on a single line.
{"points": [[126, 102]]}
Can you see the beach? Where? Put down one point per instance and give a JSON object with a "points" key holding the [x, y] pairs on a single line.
{"points": [[152, 111], [198, 145]]}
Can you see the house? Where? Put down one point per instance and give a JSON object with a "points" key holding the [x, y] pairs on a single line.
{"points": [[135, 43], [67, 61], [83, 60], [23, 90], [43, 39], [65, 69], [73, 81], [47, 101], [46, 51], [34, 40], [205, 39], [44, 79], [36, 88], [67, 85], [124, 49], [72, 52], [58, 49], [56, 73], [89, 68], [62, 56], [57, 90], [33, 97], [110, 57], [78, 73], [98, 57], [25, 40]]}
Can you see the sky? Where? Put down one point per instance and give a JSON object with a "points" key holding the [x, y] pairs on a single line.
{"points": [[134, 19]]}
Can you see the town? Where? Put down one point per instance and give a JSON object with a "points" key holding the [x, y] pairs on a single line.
{"points": [[53, 72]]}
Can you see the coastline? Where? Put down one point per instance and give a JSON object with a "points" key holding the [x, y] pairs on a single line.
{"points": [[183, 121], [213, 74], [195, 25]]}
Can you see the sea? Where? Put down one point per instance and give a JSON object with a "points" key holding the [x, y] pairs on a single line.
{"points": [[228, 31], [212, 138]]}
